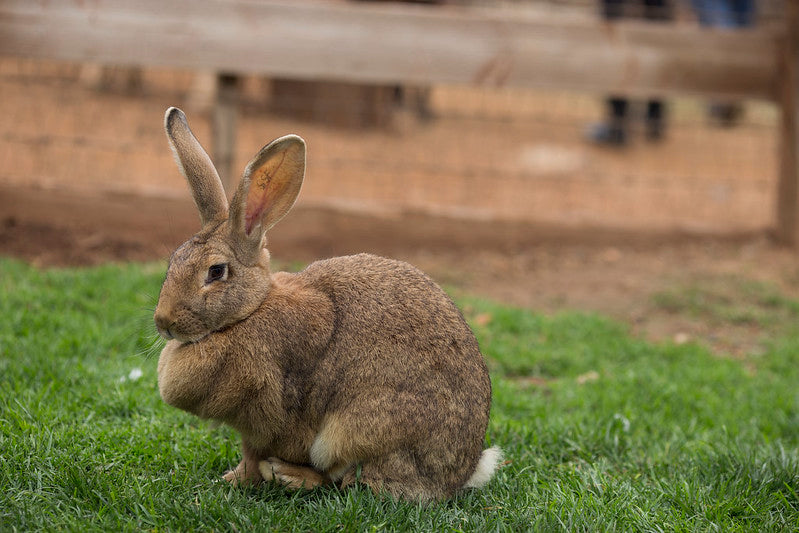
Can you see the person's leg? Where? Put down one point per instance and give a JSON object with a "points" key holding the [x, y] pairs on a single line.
{"points": [[618, 108], [655, 110], [728, 14], [744, 12], [613, 130], [661, 10], [613, 9]]}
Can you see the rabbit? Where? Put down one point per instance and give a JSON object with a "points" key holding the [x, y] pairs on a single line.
{"points": [[356, 369]]}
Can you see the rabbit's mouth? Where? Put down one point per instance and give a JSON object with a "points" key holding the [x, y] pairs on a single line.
{"points": [[182, 330], [193, 340], [190, 339], [166, 333], [169, 333]]}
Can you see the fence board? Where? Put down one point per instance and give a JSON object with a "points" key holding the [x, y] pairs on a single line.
{"points": [[397, 44]]}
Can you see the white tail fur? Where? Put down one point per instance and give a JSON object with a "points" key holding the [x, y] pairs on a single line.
{"points": [[488, 463]]}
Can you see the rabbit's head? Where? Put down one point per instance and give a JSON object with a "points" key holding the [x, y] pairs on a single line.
{"points": [[221, 275]]}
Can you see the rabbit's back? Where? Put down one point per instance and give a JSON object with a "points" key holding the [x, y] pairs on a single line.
{"points": [[402, 371], [393, 320]]}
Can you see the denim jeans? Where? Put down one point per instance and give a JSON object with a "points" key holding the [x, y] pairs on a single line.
{"points": [[725, 13]]}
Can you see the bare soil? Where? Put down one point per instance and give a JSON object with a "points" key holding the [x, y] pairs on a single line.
{"points": [[544, 268]]}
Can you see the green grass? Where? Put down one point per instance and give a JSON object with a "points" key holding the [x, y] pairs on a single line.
{"points": [[603, 431], [731, 300]]}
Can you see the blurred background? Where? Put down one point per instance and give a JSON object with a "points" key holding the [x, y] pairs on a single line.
{"points": [[548, 153]]}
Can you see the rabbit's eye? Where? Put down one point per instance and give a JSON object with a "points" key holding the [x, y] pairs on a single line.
{"points": [[216, 272]]}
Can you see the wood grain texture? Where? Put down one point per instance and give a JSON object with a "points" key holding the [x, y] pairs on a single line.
{"points": [[385, 44]]}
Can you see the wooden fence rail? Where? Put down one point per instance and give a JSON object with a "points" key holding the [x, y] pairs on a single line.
{"points": [[407, 44]]}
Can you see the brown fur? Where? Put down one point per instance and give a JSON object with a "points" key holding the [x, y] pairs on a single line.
{"points": [[356, 360]]}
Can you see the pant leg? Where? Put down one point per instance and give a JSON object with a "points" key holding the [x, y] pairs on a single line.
{"points": [[660, 10], [612, 9], [617, 108]]}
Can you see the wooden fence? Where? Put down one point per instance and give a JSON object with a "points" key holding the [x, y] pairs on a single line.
{"points": [[412, 44]]}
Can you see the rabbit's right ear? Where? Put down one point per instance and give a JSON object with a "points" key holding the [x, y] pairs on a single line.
{"points": [[267, 191], [196, 166]]}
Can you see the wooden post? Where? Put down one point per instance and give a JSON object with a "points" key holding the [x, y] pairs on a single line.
{"points": [[224, 127], [788, 186]]}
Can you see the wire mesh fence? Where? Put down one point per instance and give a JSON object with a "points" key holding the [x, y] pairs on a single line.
{"points": [[488, 153]]}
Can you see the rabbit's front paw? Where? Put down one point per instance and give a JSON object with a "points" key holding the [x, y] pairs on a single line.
{"points": [[291, 475]]}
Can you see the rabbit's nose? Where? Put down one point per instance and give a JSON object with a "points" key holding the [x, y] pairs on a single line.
{"points": [[163, 323]]}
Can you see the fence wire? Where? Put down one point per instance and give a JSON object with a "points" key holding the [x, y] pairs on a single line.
{"points": [[487, 153]]}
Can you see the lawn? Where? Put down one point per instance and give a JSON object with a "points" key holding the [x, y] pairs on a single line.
{"points": [[602, 431]]}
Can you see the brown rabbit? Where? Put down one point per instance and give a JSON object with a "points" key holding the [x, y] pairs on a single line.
{"points": [[357, 368]]}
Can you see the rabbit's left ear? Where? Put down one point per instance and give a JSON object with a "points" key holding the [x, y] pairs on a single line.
{"points": [[196, 166], [267, 191]]}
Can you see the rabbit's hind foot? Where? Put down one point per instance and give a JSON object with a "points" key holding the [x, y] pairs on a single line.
{"points": [[246, 473], [291, 475]]}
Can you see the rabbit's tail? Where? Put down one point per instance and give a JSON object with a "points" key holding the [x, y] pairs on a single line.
{"points": [[486, 467]]}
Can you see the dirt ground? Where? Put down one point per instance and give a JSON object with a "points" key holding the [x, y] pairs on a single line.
{"points": [[544, 268], [548, 223]]}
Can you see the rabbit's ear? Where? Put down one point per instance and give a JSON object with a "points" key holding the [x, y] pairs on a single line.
{"points": [[196, 166], [268, 189]]}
